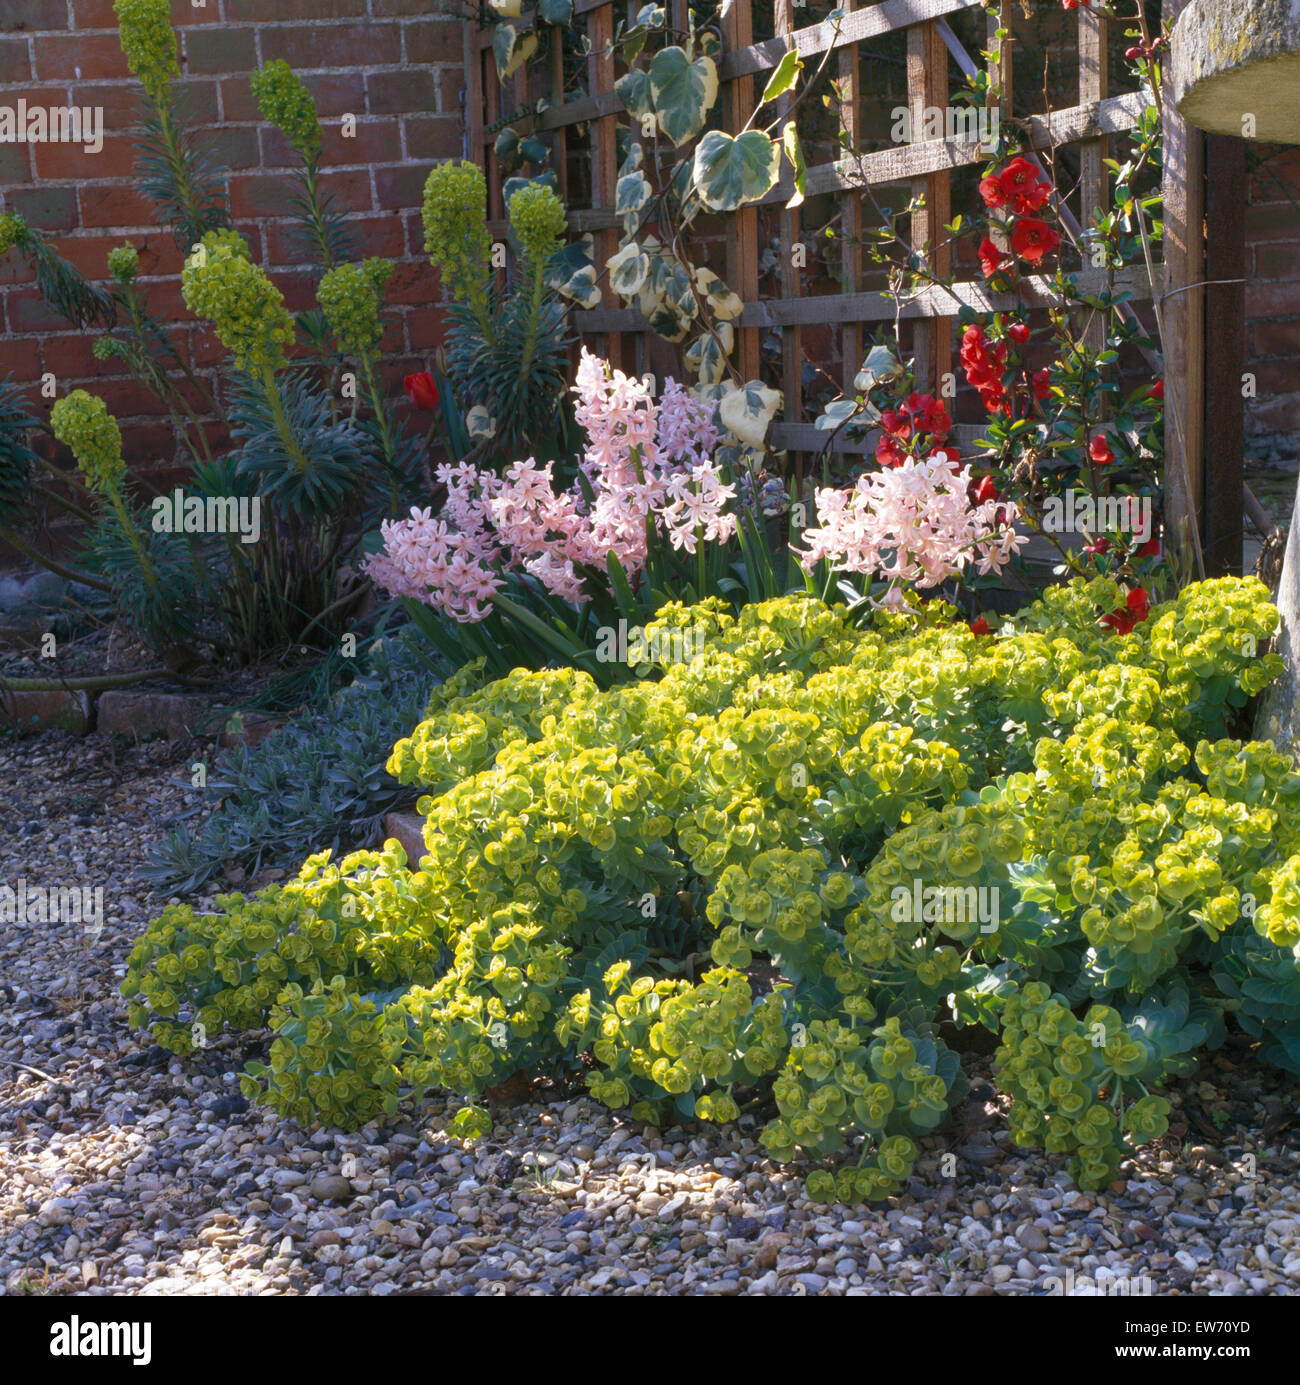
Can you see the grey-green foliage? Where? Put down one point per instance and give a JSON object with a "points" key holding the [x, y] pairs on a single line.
{"points": [[319, 781]]}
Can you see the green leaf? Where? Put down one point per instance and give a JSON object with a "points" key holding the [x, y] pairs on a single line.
{"points": [[794, 152], [730, 172], [633, 90], [631, 193], [835, 414], [628, 270], [786, 74], [651, 16], [748, 410], [683, 91], [511, 49], [724, 303], [705, 354], [555, 11]]}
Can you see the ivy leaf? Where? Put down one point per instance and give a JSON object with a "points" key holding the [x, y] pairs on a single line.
{"points": [[683, 92], [748, 410], [730, 172], [881, 364], [556, 11], [511, 49], [837, 412], [651, 16], [706, 355], [786, 74], [633, 90], [506, 9], [631, 193], [628, 270], [794, 152], [669, 322], [571, 272], [724, 303], [480, 423]]}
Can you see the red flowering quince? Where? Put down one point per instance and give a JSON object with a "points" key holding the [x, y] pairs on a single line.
{"points": [[1157, 391], [1042, 382], [889, 451], [1023, 189], [991, 190], [979, 627], [1032, 239], [982, 491], [1099, 451], [991, 258], [894, 425], [1018, 332], [1135, 609], [423, 391], [1150, 549], [984, 365]]}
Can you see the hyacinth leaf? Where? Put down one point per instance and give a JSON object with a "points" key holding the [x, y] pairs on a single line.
{"points": [[724, 303], [511, 49], [784, 77], [749, 410], [683, 92], [628, 270], [556, 11], [794, 152], [634, 91], [731, 172]]}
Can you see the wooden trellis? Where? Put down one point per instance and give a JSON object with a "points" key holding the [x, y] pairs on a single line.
{"points": [[927, 167]]}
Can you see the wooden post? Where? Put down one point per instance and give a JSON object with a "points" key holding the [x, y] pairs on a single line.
{"points": [[604, 161], [1183, 314], [927, 86], [1093, 180], [1225, 353], [742, 226], [850, 66], [791, 336]]}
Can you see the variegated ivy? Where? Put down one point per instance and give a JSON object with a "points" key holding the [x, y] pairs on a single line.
{"points": [[677, 165]]}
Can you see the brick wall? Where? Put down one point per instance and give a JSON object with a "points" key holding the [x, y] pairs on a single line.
{"points": [[394, 64], [1273, 304]]}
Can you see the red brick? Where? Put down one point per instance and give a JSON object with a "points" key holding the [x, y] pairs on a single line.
{"points": [[117, 204], [232, 147], [435, 41], [399, 9], [265, 194], [15, 61], [258, 12], [1278, 261], [379, 236], [426, 329], [334, 45], [148, 445], [299, 290], [1272, 300], [335, 94], [34, 14], [375, 141], [71, 357], [79, 57], [1276, 377], [72, 161], [399, 188], [1281, 414], [14, 167], [1278, 222], [432, 137], [1277, 338], [99, 14], [451, 90], [28, 313], [396, 93], [47, 208], [220, 50], [30, 712], [412, 282]]}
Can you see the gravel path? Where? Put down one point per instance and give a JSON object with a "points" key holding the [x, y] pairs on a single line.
{"points": [[124, 1171]]}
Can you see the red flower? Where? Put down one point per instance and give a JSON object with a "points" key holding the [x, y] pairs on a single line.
{"points": [[1019, 332], [889, 452], [1022, 187], [979, 627], [983, 490], [1042, 382], [991, 190], [1032, 239], [991, 258], [893, 425], [1135, 609], [423, 391], [1157, 391], [1099, 451], [1101, 546], [1150, 549]]}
